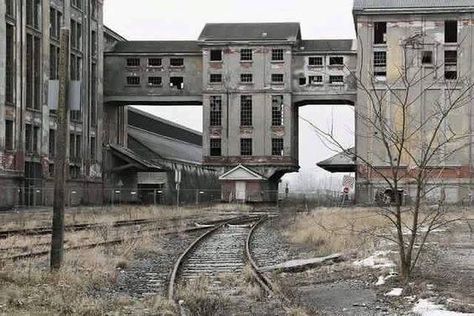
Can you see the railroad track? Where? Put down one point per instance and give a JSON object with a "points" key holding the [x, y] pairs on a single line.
{"points": [[224, 249]]}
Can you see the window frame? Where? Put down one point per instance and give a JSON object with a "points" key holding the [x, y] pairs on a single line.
{"points": [[173, 63], [215, 144], [246, 111], [246, 146], [215, 110], [247, 53], [312, 58], [278, 55], [246, 78], [278, 147], [212, 56]]}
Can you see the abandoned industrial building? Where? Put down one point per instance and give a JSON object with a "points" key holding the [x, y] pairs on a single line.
{"points": [[250, 78]]}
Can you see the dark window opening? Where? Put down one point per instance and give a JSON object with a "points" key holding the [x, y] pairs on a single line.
{"points": [[177, 82], [177, 62], [55, 18], [450, 58], [302, 81], [76, 67], [33, 74], [216, 55], [28, 138], [277, 110], [93, 148], [133, 62], [33, 13], [451, 31], [215, 146], [245, 110], [246, 78], [246, 147], [380, 32], [215, 104], [450, 75], [154, 62], [53, 62], [10, 7], [336, 61], [133, 81], [74, 172], [94, 43], [277, 147], [246, 54], [36, 138], [315, 79], [315, 61], [277, 54], [154, 81], [215, 78], [10, 65], [52, 143], [9, 140], [427, 57], [336, 79], [76, 35], [278, 78]]}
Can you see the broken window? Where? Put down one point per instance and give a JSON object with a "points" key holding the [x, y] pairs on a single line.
{"points": [[246, 54], [246, 147], [246, 110], [277, 110], [451, 31], [336, 79], [94, 43], [302, 81], [277, 54], [315, 61], [76, 35], [380, 32], [52, 143], [28, 138], [94, 80], [315, 79], [336, 61], [246, 78], [450, 65], [177, 62], [33, 74], [55, 20], [53, 62], [154, 62], [216, 55], [277, 78], [133, 62], [427, 57], [93, 148], [154, 81], [215, 78], [133, 81], [380, 64], [277, 147], [76, 67], [215, 105], [33, 13], [177, 82], [215, 145], [76, 3], [10, 64], [9, 140]]}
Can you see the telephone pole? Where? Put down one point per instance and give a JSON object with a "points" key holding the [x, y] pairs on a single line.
{"points": [[61, 163]]}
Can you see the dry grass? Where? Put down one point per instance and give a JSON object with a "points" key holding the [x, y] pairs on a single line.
{"points": [[198, 300]]}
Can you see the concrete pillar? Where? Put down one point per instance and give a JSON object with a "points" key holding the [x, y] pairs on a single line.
{"points": [[2, 75]]}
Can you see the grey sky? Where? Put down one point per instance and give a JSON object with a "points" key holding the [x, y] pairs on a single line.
{"points": [[184, 20]]}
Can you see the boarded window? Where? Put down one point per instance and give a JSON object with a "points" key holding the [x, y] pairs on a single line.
{"points": [[9, 140], [246, 78], [216, 55], [336, 61], [336, 79], [246, 147], [246, 110], [277, 147], [277, 78], [177, 83], [380, 32], [246, 54], [277, 54], [133, 80], [277, 110], [154, 62], [315, 61], [133, 62], [215, 105], [154, 81], [215, 78], [315, 79], [177, 62], [451, 31], [215, 147]]}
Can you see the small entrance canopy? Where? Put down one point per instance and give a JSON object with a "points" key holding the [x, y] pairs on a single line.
{"points": [[342, 162], [241, 173]]}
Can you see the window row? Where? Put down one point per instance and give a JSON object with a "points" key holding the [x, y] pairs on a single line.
{"points": [[319, 80], [246, 147], [246, 78], [155, 62], [246, 54], [319, 61], [175, 82], [450, 32]]}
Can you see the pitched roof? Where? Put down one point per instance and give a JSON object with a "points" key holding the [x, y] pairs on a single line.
{"points": [[159, 47], [415, 5], [250, 31], [241, 173], [341, 162], [327, 45], [158, 125], [153, 147]]}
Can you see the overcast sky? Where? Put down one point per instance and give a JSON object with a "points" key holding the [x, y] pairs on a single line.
{"points": [[184, 20]]}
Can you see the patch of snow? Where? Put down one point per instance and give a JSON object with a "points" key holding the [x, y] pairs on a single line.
{"points": [[377, 260], [425, 307], [381, 280], [395, 292]]}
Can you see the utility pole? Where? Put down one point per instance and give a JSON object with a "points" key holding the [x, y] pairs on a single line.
{"points": [[61, 163]]}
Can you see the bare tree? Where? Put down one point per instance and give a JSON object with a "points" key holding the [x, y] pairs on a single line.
{"points": [[412, 122]]}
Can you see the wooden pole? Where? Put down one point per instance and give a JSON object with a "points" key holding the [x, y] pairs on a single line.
{"points": [[61, 162]]}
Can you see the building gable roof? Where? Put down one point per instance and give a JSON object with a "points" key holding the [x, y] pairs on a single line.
{"points": [[241, 173], [250, 31], [157, 47], [328, 45]]}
